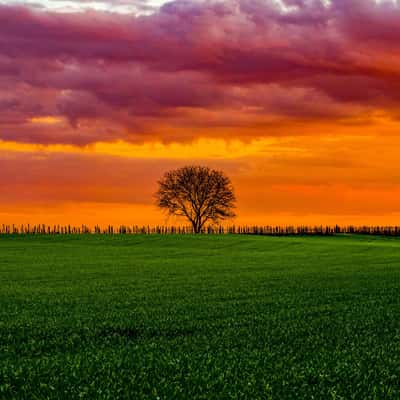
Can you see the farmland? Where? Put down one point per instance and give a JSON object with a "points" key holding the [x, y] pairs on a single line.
{"points": [[206, 317]]}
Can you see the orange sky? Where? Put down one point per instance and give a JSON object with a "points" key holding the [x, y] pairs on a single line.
{"points": [[298, 104]]}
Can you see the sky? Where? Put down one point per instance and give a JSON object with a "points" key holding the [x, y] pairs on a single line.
{"points": [[297, 101]]}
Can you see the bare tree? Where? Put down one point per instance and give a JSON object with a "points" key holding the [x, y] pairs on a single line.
{"points": [[197, 193]]}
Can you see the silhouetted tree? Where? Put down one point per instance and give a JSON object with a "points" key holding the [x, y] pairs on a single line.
{"points": [[198, 193]]}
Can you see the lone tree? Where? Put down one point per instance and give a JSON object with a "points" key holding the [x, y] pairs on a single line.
{"points": [[198, 193]]}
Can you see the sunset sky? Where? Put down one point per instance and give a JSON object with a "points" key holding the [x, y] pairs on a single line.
{"points": [[298, 101]]}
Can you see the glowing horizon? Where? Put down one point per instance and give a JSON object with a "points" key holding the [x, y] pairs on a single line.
{"points": [[296, 101]]}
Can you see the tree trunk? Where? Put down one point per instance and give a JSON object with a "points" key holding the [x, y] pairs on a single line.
{"points": [[196, 227]]}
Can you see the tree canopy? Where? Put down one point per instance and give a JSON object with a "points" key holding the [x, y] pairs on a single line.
{"points": [[197, 193]]}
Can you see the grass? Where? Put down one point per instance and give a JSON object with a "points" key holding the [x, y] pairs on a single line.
{"points": [[208, 317]]}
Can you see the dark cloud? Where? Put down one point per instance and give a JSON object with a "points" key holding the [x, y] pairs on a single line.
{"points": [[131, 73]]}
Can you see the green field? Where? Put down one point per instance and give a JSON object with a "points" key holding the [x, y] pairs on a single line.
{"points": [[207, 317]]}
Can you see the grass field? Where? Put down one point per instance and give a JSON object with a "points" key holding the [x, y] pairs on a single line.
{"points": [[208, 317]]}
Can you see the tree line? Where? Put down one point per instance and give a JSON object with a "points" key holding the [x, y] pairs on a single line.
{"points": [[301, 230]]}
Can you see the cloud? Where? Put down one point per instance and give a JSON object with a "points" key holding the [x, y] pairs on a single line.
{"points": [[137, 7], [238, 63]]}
